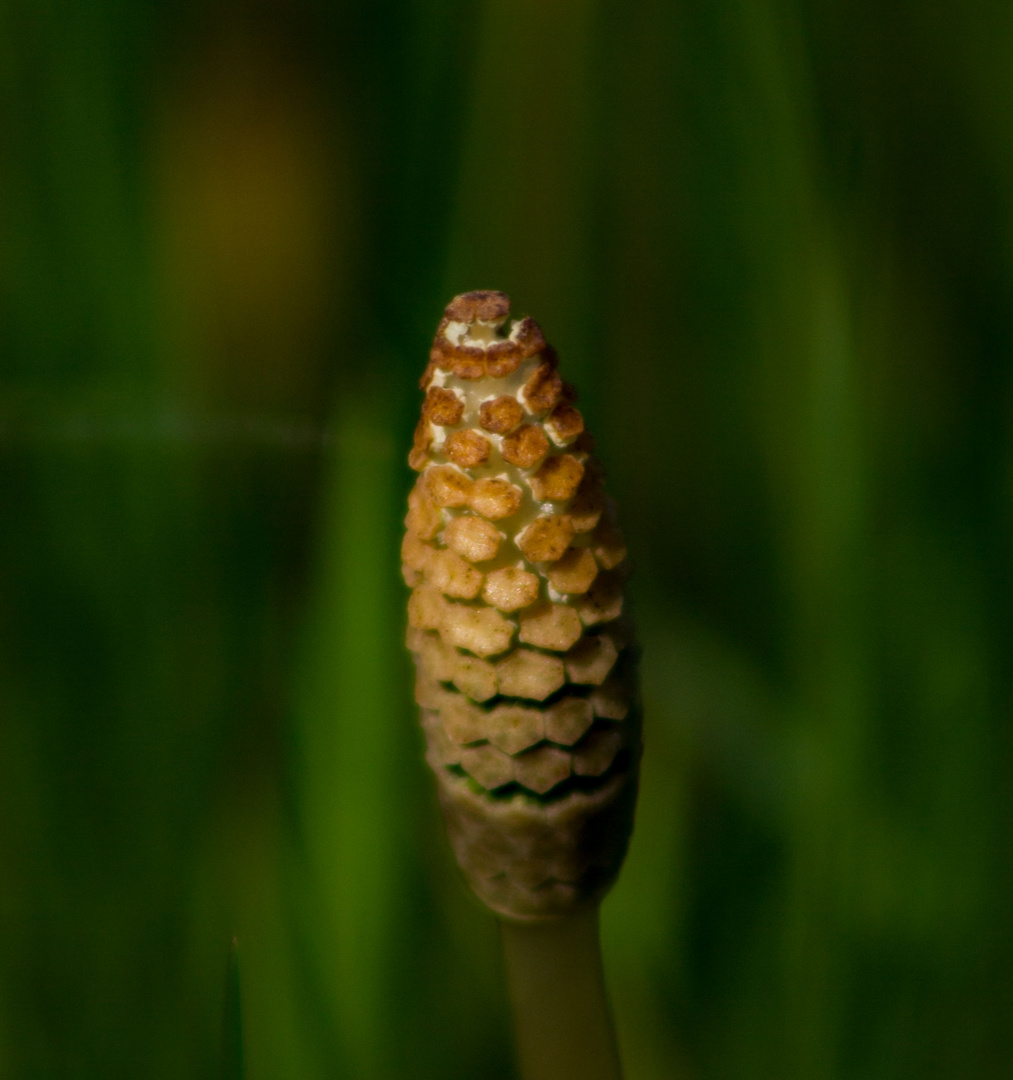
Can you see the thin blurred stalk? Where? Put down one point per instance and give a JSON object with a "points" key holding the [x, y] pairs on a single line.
{"points": [[525, 202], [349, 742], [832, 719], [232, 1051]]}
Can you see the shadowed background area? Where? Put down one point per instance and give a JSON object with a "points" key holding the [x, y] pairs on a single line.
{"points": [[772, 241]]}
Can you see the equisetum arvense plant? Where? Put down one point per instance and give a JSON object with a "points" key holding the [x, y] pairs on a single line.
{"points": [[525, 659]]}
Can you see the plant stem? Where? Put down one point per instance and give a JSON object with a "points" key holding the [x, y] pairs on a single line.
{"points": [[562, 1021]]}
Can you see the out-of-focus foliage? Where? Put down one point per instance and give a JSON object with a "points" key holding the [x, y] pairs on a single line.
{"points": [[774, 244]]}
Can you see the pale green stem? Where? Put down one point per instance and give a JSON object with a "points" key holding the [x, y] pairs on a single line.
{"points": [[562, 1020]]}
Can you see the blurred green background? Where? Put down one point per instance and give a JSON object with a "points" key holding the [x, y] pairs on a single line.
{"points": [[773, 242]]}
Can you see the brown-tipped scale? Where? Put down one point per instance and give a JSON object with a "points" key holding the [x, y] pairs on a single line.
{"points": [[525, 658]]}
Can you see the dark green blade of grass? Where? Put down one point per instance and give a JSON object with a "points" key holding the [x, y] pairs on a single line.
{"points": [[232, 1041]]}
